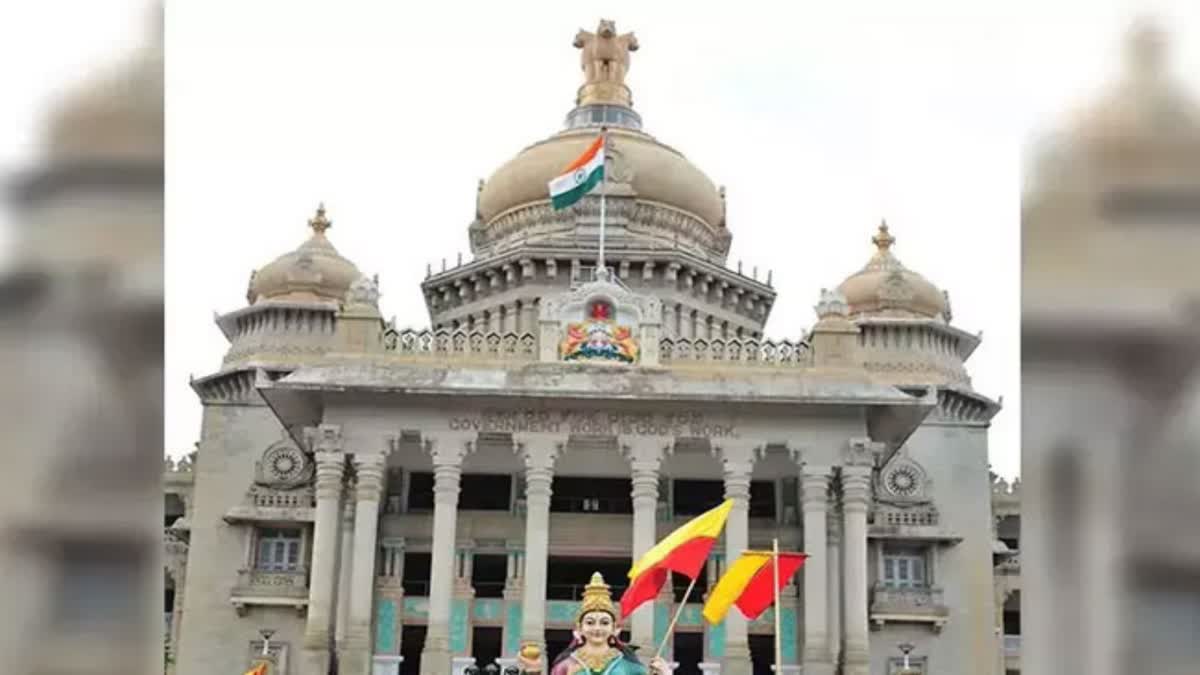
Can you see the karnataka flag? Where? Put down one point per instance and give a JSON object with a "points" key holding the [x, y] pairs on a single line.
{"points": [[579, 177], [684, 551], [749, 584], [260, 669]]}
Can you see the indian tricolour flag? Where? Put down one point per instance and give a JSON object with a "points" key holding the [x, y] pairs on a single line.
{"points": [[579, 177]]}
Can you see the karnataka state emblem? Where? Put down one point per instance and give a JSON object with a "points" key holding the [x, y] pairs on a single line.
{"points": [[599, 338]]}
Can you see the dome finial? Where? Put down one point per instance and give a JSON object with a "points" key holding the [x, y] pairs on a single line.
{"points": [[319, 223], [883, 240]]}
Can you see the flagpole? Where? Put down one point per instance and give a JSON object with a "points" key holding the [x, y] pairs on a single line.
{"points": [[778, 647], [603, 185], [678, 610]]}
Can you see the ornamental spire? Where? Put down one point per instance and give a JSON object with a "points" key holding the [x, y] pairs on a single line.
{"points": [[883, 239], [319, 223]]}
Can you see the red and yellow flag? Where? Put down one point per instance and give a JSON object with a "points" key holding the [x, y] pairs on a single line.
{"points": [[683, 551], [748, 583], [260, 669]]}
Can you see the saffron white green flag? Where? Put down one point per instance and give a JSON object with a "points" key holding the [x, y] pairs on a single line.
{"points": [[579, 177]]}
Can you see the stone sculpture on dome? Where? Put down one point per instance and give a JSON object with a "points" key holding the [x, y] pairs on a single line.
{"points": [[604, 58]]}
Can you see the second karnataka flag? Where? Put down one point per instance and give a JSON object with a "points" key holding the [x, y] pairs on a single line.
{"points": [[579, 177], [749, 584], [683, 551]]}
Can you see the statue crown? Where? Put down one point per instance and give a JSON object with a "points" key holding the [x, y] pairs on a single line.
{"points": [[597, 597]]}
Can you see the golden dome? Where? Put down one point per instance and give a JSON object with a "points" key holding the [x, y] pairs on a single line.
{"points": [[116, 116], [885, 287], [314, 272], [656, 172]]}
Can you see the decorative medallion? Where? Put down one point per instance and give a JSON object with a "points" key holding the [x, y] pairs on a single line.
{"points": [[599, 338], [896, 288], [904, 479], [283, 465]]}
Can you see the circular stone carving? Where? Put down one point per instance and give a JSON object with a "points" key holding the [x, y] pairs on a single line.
{"points": [[904, 478], [284, 465]]}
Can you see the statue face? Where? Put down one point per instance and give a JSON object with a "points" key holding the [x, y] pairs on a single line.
{"points": [[607, 28], [597, 627]]}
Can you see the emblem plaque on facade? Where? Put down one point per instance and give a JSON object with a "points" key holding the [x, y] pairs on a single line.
{"points": [[599, 337]]}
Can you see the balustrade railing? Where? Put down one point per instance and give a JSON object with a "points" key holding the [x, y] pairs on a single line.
{"points": [[299, 498], [906, 599], [272, 583], [450, 344], [591, 504], [735, 351], [891, 516], [575, 591]]}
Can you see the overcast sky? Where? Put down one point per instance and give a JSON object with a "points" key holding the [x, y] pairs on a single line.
{"points": [[818, 118]]}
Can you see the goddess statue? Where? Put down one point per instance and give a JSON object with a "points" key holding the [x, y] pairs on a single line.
{"points": [[595, 648]]}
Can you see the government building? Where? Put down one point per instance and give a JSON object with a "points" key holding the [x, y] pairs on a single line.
{"points": [[370, 498]]}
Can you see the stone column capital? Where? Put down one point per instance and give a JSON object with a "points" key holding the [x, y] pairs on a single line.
{"points": [[862, 452], [331, 468], [448, 448], [538, 452], [856, 487], [815, 481], [369, 470], [645, 452], [324, 438], [737, 456]]}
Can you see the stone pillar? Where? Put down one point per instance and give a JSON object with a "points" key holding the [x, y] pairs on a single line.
{"points": [[447, 451], [671, 320], [509, 324], [737, 462], [528, 320], [816, 633], [326, 442], [538, 453], [834, 595], [645, 457], [369, 467], [345, 566], [856, 496]]}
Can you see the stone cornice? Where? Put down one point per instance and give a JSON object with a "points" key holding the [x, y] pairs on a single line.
{"points": [[966, 342], [236, 386], [962, 407], [229, 322]]}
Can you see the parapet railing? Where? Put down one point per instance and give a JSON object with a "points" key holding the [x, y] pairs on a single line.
{"points": [[735, 351], [453, 345]]}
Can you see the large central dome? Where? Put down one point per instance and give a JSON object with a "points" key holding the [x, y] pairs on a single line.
{"points": [[656, 173], [657, 198]]}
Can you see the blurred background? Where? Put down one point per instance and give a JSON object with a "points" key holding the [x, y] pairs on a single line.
{"points": [[1100, 108]]}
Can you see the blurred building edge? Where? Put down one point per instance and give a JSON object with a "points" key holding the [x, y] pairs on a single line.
{"points": [[1110, 349], [81, 348], [91, 209]]}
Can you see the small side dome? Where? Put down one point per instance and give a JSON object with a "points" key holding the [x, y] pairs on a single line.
{"points": [[314, 272], [885, 287]]}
